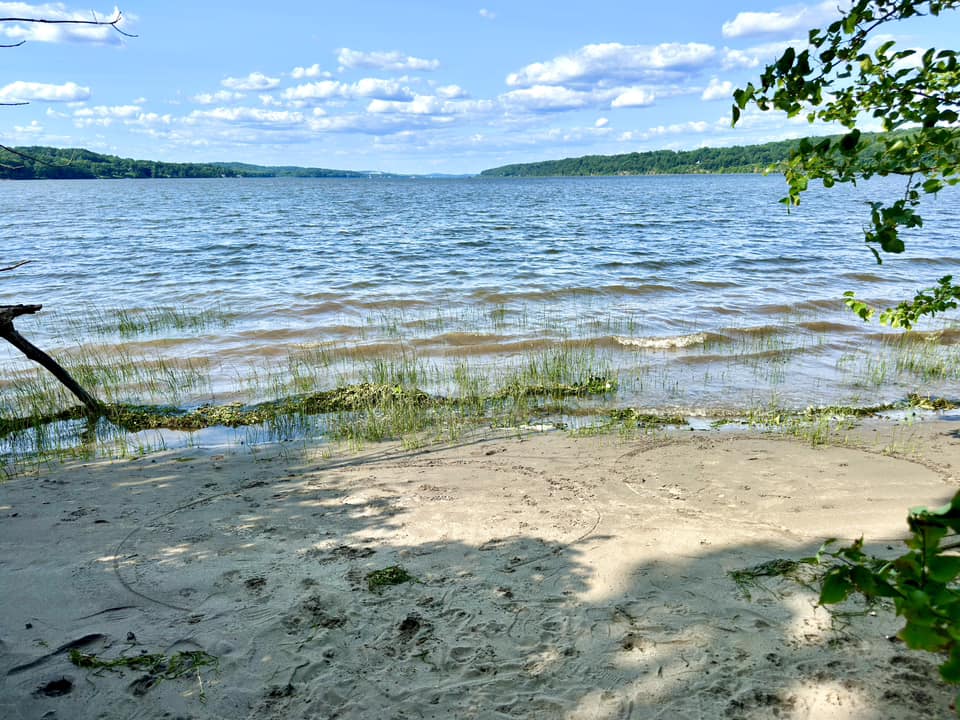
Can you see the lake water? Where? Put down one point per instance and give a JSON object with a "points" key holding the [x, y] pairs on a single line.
{"points": [[701, 291]]}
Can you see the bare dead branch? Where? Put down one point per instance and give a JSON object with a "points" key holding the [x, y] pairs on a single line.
{"points": [[14, 267], [114, 23], [25, 156], [7, 315]]}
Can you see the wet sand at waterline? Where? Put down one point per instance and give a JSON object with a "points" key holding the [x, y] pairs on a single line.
{"points": [[552, 577]]}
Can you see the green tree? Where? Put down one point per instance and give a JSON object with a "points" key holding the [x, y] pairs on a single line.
{"points": [[844, 76]]}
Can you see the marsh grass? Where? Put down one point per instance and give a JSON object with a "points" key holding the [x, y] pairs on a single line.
{"points": [[373, 398], [127, 323], [395, 383], [917, 357]]}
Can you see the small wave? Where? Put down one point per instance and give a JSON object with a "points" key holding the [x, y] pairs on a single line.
{"points": [[672, 342], [755, 331], [806, 305], [321, 308], [825, 326], [932, 261], [461, 339], [714, 284], [647, 289], [385, 305], [864, 277]]}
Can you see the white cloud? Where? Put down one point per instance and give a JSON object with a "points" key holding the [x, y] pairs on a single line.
{"points": [[253, 81], [717, 90], [786, 20], [249, 115], [487, 14], [32, 129], [221, 96], [546, 97], [601, 122], [322, 90], [57, 33], [383, 89], [299, 73], [697, 127], [451, 92], [633, 97], [428, 105], [21, 91], [148, 119], [420, 105], [383, 60], [365, 88], [613, 61], [115, 111]]}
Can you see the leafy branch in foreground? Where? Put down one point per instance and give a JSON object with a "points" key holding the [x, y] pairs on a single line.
{"points": [[922, 583], [915, 94], [940, 298]]}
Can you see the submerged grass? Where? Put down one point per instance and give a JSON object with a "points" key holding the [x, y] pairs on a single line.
{"points": [[378, 390], [127, 323]]}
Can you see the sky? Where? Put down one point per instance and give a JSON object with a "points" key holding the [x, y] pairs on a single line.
{"points": [[403, 86]]}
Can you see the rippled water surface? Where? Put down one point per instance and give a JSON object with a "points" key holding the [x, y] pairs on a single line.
{"points": [[700, 291]]}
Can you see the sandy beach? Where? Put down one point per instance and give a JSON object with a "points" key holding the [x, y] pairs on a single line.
{"points": [[550, 577]]}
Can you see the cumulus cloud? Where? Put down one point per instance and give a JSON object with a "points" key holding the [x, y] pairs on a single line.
{"points": [[114, 111], [44, 32], [364, 88], [451, 92], [546, 97], [427, 105], [298, 73], [33, 128], [221, 96], [787, 20], [249, 115], [633, 97], [383, 60], [601, 122], [717, 90], [383, 89], [613, 61], [21, 91], [696, 127], [322, 90], [253, 81]]}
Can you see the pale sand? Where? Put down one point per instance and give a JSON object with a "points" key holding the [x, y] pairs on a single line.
{"points": [[558, 578]]}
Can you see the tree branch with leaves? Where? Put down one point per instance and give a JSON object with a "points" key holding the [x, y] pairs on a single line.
{"points": [[845, 77]]}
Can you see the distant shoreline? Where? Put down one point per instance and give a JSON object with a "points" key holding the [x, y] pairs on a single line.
{"points": [[50, 163]]}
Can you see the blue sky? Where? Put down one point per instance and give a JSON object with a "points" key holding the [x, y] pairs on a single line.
{"points": [[412, 86]]}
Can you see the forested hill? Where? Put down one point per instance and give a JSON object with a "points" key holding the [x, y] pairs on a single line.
{"points": [[739, 159], [30, 163]]}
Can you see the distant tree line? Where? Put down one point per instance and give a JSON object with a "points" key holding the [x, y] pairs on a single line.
{"points": [[38, 163], [737, 159]]}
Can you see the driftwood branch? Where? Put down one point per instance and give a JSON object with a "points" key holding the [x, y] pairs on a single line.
{"points": [[8, 313]]}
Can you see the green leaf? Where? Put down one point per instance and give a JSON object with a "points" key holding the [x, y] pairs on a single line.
{"points": [[836, 587], [849, 142], [919, 637], [944, 568], [786, 60], [950, 670]]}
